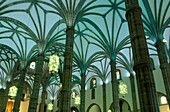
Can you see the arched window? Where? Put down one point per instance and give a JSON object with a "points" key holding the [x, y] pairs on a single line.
{"points": [[163, 100], [118, 74], [93, 83], [32, 65], [73, 94]]}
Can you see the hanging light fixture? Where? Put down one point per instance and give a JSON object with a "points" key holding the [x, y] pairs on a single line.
{"points": [[54, 63]]}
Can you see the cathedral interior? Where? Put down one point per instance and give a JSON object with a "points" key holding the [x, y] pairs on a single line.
{"points": [[84, 56]]}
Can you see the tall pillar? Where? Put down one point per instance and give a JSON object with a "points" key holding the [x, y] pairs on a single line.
{"points": [[20, 90], [164, 66], [1, 98], [133, 91], [104, 97], [5, 97], [67, 75], [43, 99], [82, 92], [142, 64], [115, 92], [36, 86]]}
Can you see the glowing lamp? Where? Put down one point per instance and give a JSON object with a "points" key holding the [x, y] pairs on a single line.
{"points": [[12, 91], [77, 100], [123, 88], [54, 63], [50, 106]]}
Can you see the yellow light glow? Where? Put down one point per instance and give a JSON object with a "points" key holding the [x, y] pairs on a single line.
{"points": [[77, 100], [50, 106], [54, 63], [123, 88], [13, 91]]}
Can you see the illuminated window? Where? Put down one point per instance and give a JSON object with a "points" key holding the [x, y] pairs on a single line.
{"points": [[54, 63], [73, 94], [32, 65], [93, 83], [123, 88], [163, 100], [50, 106], [118, 75], [77, 100], [12, 91]]}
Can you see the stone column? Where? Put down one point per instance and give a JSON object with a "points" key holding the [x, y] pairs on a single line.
{"points": [[142, 64], [53, 105], [115, 92], [36, 86], [43, 99], [5, 99], [133, 91], [82, 92], [104, 97], [20, 90], [67, 75], [1, 98], [164, 66]]}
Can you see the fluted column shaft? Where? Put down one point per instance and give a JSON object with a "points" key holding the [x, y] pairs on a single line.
{"points": [[36, 86], [133, 91], [104, 97], [20, 90], [5, 97], [142, 64], [115, 92], [67, 75], [43, 99], [164, 66], [1, 98], [82, 92]]}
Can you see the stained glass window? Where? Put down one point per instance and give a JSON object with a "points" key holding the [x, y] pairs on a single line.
{"points": [[118, 75], [54, 63], [123, 88], [73, 94], [32, 65], [13, 91], [93, 83]]}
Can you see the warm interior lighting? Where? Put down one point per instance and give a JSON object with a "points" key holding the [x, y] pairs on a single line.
{"points": [[13, 91], [123, 88], [54, 63], [32, 65], [50, 106], [163, 100]]}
